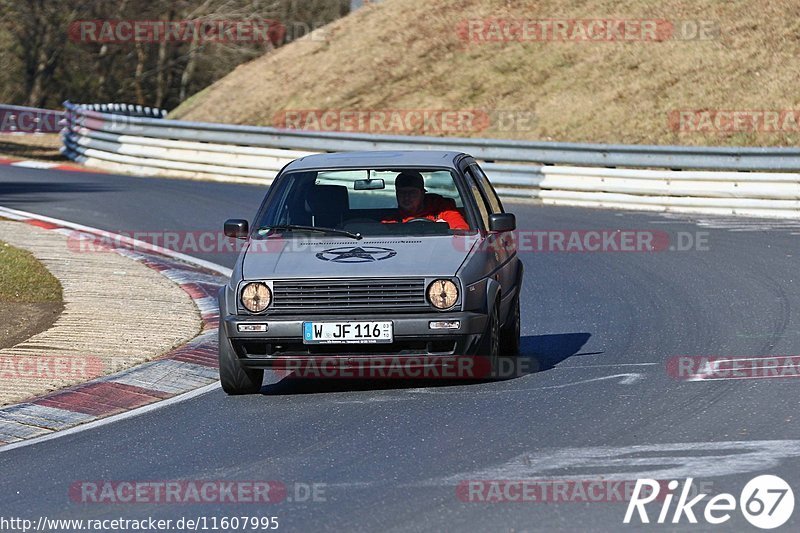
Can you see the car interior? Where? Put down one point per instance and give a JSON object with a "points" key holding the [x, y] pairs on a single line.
{"points": [[311, 203]]}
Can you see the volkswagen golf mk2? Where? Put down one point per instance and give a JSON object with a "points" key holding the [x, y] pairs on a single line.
{"points": [[367, 255]]}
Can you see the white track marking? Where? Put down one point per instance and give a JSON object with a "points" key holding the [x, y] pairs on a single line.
{"points": [[714, 368], [624, 379], [733, 224], [114, 418], [750, 378], [656, 461], [34, 164], [578, 367], [627, 379], [375, 399]]}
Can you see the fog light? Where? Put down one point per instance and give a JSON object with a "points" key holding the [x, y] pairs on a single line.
{"points": [[252, 327], [445, 324]]}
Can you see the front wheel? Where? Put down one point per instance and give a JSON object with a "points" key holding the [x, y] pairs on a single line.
{"points": [[490, 343], [236, 379], [510, 334]]}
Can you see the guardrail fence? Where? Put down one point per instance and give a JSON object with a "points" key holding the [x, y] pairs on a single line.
{"points": [[723, 180]]}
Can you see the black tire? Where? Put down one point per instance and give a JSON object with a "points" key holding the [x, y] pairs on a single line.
{"points": [[236, 379], [510, 333], [490, 342]]}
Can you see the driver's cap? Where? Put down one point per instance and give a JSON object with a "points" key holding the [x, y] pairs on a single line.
{"points": [[409, 179]]}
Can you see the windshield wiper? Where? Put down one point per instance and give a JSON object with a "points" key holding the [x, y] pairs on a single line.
{"points": [[290, 227]]}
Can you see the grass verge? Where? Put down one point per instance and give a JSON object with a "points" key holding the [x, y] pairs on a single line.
{"points": [[23, 279]]}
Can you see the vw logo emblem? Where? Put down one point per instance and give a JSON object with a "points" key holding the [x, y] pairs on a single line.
{"points": [[359, 254]]}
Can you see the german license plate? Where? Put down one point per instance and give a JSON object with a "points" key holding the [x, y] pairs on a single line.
{"points": [[347, 333]]}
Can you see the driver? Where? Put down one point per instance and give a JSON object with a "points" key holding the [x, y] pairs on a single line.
{"points": [[413, 202]]}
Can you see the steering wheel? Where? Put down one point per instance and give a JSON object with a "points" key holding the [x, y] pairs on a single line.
{"points": [[420, 219]]}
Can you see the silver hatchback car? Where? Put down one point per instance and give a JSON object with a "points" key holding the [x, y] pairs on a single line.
{"points": [[367, 255]]}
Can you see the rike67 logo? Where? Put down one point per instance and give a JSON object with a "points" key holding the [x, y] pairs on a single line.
{"points": [[766, 502]]}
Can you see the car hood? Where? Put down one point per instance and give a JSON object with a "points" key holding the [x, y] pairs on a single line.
{"points": [[378, 257]]}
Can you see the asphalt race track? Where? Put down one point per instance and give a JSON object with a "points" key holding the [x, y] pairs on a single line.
{"points": [[599, 326]]}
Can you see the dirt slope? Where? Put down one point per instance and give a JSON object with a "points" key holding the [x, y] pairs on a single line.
{"points": [[403, 55]]}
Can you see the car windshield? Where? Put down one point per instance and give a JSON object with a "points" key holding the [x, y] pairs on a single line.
{"points": [[367, 202]]}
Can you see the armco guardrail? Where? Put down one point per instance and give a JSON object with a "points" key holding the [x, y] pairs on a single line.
{"points": [[19, 119], [714, 180]]}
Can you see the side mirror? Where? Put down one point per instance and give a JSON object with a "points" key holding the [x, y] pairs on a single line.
{"points": [[502, 222], [236, 228]]}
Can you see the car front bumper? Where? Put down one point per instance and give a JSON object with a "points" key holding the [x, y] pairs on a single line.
{"points": [[282, 343]]}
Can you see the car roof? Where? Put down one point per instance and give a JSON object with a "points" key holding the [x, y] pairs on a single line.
{"points": [[376, 159]]}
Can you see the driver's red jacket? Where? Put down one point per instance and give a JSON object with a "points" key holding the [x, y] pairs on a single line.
{"points": [[435, 208]]}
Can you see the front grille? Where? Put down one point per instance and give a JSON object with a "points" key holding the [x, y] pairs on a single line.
{"points": [[324, 296]]}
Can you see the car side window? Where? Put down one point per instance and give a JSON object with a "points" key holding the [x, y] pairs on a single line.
{"points": [[488, 189], [480, 201]]}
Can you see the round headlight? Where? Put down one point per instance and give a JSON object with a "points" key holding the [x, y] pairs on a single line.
{"points": [[442, 294], [256, 297]]}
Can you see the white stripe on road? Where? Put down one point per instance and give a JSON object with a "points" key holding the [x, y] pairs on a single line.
{"points": [[115, 418], [624, 463], [623, 379], [34, 164]]}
